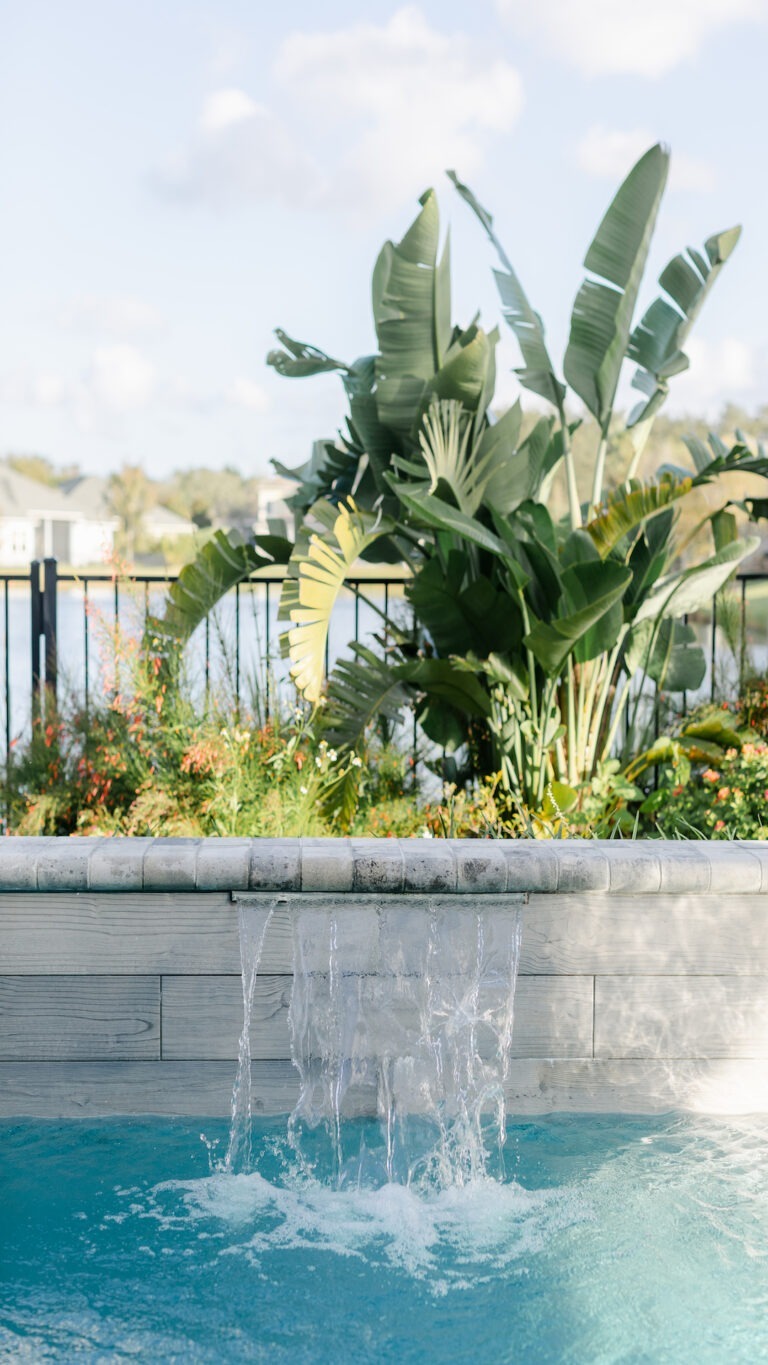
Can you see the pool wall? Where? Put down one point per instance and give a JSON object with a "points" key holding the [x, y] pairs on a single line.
{"points": [[643, 983]]}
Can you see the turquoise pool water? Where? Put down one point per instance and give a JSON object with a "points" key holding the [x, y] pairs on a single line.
{"points": [[600, 1240]]}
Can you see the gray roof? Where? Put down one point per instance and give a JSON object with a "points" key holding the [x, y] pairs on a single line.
{"points": [[23, 497]]}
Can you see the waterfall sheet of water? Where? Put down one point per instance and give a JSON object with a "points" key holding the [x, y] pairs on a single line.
{"points": [[253, 922], [402, 1013]]}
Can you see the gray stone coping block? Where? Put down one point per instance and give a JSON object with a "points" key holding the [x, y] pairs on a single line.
{"points": [[386, 866]]}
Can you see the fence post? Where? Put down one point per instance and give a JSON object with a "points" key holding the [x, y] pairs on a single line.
{"points": [[50, 613], [36, 622], [43, 604]]}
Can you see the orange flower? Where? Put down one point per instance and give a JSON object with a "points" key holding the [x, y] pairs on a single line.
{"points": [[710, 775], [723, 793], [719, 824]]}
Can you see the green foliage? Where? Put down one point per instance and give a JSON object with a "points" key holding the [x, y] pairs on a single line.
{"points": [[528, 627]]}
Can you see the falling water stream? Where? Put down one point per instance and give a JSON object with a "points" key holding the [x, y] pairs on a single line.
{"points": [[402, 1014]]}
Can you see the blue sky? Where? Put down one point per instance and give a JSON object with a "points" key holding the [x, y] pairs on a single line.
{"points": [[181, 178]]}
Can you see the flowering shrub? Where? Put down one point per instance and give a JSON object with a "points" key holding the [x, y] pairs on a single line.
{"points": [[143, 760], [728, 801]]}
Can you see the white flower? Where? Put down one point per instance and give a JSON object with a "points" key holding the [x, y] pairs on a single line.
{"points": [[357, 762], [427, 833], [332, 755], [303, 791]]}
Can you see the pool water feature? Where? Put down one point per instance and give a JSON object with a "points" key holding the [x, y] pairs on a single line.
{"points": [[414, 1018], [399, 1215]]}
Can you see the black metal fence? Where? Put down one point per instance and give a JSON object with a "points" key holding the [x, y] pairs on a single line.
{"points": [[734, 632], [59, 637]]}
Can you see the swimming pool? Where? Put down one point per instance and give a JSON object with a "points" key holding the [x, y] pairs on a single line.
{"points": [[600, 1240]]}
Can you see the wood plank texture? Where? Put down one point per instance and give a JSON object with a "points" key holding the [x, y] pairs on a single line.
{"points": [[590, 934], [119, 934], [98, 1089], [203, 1017], [535, 1086], [79, 1018], [609, 1086], [681, 1016]]}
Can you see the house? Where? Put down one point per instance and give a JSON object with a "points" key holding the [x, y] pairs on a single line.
{"points": [[36, 520], [73, 523]]}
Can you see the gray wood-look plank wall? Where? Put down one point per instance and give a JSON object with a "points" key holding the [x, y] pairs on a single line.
{"points": [[637, 992]]}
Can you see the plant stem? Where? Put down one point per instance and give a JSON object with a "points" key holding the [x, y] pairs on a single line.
{"points": [[569, 686], [597, 482], [605, 695], [574, 506]]}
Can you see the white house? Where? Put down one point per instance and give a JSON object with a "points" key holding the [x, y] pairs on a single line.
{"points": [[73, 523], [35, 520]]}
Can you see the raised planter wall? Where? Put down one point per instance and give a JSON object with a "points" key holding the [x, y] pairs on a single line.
{"points": [[643, 981]]}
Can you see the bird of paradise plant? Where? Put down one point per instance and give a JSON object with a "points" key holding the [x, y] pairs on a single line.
{"points": [[531, 631]]}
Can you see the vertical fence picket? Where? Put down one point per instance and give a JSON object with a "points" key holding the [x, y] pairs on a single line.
{"points": [[50, 628], [7, 682], [86, 645]]}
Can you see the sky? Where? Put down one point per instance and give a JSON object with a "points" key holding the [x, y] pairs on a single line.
{"points": [[181, 178]]}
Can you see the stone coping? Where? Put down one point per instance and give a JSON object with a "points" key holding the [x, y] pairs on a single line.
{"points": [[445, 866]]}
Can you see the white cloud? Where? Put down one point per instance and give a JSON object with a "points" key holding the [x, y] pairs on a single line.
{"points": [[115, 315], [241, 152], [624, 37], [385, 109], [610, 154], [421, 99], [720, 372], [224, 108]]}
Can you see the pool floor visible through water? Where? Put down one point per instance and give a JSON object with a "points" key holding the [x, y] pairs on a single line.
{"points": [[600, 1240]]}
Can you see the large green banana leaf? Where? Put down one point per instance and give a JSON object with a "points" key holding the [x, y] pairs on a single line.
{"points": [[668, 654], [463, 614], [469, 372], [320, 563], [223, 562], [538, 373], [330, 472], [590, 591], [693, 588], [360, 689], [652, 551], [411, 295], [658, 339], [298, 359], [632, 505], [428, 510], [519, 472], [602, 314]]}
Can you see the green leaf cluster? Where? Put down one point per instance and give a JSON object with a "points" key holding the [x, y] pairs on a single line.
{"points": [[530, 632]]}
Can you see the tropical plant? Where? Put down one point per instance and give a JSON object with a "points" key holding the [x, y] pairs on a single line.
{"points": [[532, 633]]}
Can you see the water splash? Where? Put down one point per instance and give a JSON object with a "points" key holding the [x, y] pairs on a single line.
{"points": [[254, 922]]}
